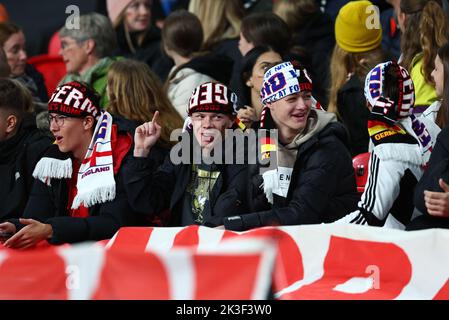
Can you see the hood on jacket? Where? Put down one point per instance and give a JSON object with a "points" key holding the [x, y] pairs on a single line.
{"points": [[216, 66]]}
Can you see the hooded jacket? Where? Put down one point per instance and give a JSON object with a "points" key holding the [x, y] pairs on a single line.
{"points": [[18, 157], [322, 185]]}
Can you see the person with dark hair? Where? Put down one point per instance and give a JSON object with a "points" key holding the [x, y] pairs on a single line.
{"points": [[439, 110], [202, 189], [425, 28], [138, 37], [12, 40], [182, 37], [310, 178], [21, 147], [78, 193], [253, 67], [400, 146], [313, 33]]}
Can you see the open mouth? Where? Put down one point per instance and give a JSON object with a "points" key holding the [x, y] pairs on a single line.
{"points": [[207, 137], [299, 117], [58, 139]]}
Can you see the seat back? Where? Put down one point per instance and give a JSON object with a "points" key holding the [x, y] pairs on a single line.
{"points": [[52, 68], [360, 165], [54, 45]]}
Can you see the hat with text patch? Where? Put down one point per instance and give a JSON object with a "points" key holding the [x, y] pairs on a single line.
{"points": [[212, 97], [283, 80], [75, 99]]}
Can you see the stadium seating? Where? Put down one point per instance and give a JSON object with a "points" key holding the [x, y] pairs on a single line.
{"points": [[360, 164], [52, 68]]}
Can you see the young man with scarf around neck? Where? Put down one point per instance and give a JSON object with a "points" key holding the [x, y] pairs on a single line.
{"points": [[77, 194], [313, 179], [195, 191], [400, 148]]}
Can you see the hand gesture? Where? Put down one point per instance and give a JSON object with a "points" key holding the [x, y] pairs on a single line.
{"points": [[437, 203], [30, 235], [146, 136], [7, 229], [247, 115]]}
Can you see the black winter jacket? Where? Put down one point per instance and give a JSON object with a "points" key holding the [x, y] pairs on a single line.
{"points": [[438, 168], [322, 186], [152, 190], [18, 157]]}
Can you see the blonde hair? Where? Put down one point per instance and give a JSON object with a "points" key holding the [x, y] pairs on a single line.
{"points": [[120, 22], [136, 93], [220, 19], [295, 12], [344, 64]]}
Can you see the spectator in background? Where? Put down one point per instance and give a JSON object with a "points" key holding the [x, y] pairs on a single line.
{"points": [[78, 193], [439, 110], [391, 32], [87, 52], [21, 147], [135, 93], [254, 64], [5, 69], [313, 32], [221, 20], [357, 51], [425, 28], [137, 35], [182, 37], [12, 40]]}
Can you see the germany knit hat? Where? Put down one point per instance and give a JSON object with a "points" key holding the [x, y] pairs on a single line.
{"points": [[212, 97], [357, 27], [284, 79], [75, 99]]}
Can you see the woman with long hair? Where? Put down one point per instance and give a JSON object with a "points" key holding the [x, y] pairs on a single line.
{"points": [[425, 28], [135, 93]]}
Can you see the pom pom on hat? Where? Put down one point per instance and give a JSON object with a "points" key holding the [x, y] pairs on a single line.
{"points": [[357, 27]]}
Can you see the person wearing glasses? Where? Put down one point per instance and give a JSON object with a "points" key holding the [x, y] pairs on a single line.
{"points": [[77, 193], [87, 51], [21, 147]]}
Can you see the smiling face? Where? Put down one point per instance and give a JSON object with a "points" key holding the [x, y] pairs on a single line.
{"points": [[209, 127], [15, 52], [291, 113], [438, 76], [138, 15]]}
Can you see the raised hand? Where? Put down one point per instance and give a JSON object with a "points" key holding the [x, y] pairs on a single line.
{"points": [[247, 115], [146, 136]]}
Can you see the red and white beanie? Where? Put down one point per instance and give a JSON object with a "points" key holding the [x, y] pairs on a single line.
{"points": [[212, 97]]}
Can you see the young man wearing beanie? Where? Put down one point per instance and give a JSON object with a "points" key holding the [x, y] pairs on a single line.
{"points": [[400, 145], [313, 178], [198, 192], [78, 194]]}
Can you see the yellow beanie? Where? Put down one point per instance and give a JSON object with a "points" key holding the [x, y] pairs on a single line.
{"points": [[357, 28]]}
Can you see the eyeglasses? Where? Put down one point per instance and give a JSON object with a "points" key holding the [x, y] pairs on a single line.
{"points": [[58, 119]]}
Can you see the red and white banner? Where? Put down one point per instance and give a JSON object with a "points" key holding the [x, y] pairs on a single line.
{"points": [[91, 271], [328, 261]]}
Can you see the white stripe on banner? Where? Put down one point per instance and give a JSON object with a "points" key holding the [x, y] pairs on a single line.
{"points": [[181, 273], [161, 239]]}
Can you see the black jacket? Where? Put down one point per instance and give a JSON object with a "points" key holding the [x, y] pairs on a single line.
{"points": [[322, 187], [438, 168], [353, 112], [18, 157], [216, 66], [152, 190], [48, 204]]}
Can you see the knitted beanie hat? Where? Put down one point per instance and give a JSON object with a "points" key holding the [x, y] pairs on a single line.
{"points": [[282, 80], [357, 27], [382, 106], [212, 97], [75, 99]]}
